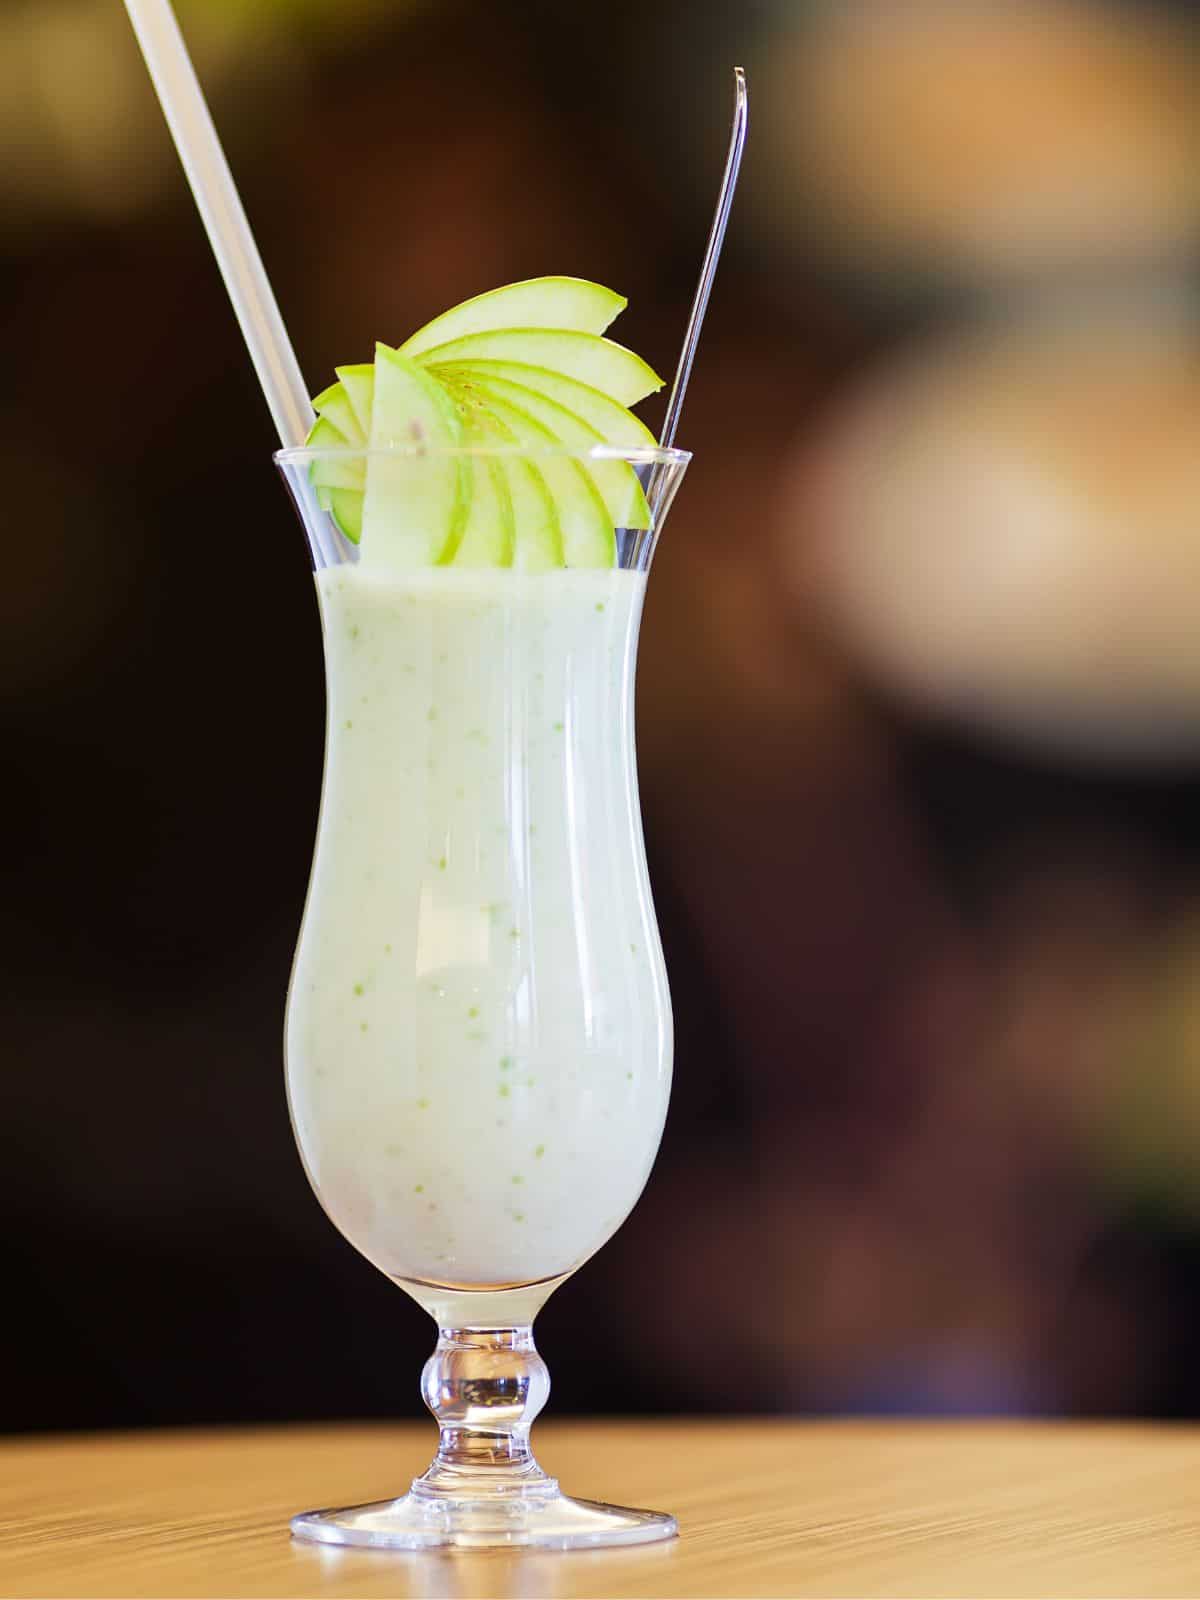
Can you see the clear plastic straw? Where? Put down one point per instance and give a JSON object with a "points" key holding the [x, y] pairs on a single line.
{"points": [[207, 170]]}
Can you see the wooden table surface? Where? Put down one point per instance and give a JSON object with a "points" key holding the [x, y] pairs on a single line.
{"points": [[765, 1508]]}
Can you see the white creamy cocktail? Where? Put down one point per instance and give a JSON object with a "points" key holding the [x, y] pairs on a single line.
{"points": [[478, 1035]]}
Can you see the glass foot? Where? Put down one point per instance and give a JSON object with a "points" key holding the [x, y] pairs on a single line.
{"points": [[484, 1489], [547, 1522]]}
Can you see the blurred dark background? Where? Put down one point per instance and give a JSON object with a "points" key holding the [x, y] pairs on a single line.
{"points": [[919, 705]]}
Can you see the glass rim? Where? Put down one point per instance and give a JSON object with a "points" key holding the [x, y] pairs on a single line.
{"points": [[647, 455]]}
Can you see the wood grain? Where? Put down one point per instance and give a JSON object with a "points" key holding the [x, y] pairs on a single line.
{"points": [[766, 1509]]}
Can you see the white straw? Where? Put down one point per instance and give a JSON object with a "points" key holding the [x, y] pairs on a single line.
{"points": [[229, 233]]}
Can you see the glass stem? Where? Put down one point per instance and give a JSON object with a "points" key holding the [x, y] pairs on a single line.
{"points": [[484, 1387]]}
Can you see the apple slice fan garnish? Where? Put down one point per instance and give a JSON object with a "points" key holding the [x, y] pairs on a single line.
{"points": [[525, 367]]}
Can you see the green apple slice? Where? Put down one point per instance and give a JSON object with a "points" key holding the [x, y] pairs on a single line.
{"points": [[588, 537], [328, 436], [487, 536], [359, 385], [616, 480], [538, 543], [334, 472], [539, 539], [604, 365], [587, 532], [535, 303], [416, 502], [618, 490], [346, 508], [614, 424], [343, 504], [333, 405]]}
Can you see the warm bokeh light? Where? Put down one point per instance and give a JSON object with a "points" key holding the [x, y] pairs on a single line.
{"points": [[1007, 527], [80, 131], [983, 137]]}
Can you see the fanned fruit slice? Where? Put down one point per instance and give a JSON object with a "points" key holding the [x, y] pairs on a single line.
{"points": [[416, 506], [336, 471], [539, 538], [536, 303], [339, 481], [488, 533], [605, 365], [614, 424], [345, 506], [616, 480], [523, 366], [537, 530], [334, 405], [359, 386], [587, 531]]}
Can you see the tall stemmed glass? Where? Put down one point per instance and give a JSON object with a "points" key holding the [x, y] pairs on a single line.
{"points": [[479, 1032]]}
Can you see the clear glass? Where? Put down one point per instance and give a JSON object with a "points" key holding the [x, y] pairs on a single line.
{"points": [[478, 1029]]}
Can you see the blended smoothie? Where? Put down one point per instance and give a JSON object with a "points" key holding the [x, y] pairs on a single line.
{"points": [[479, 1033]]}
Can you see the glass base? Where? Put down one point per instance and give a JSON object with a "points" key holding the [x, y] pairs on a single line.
{"points": [[419, 1521]]}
